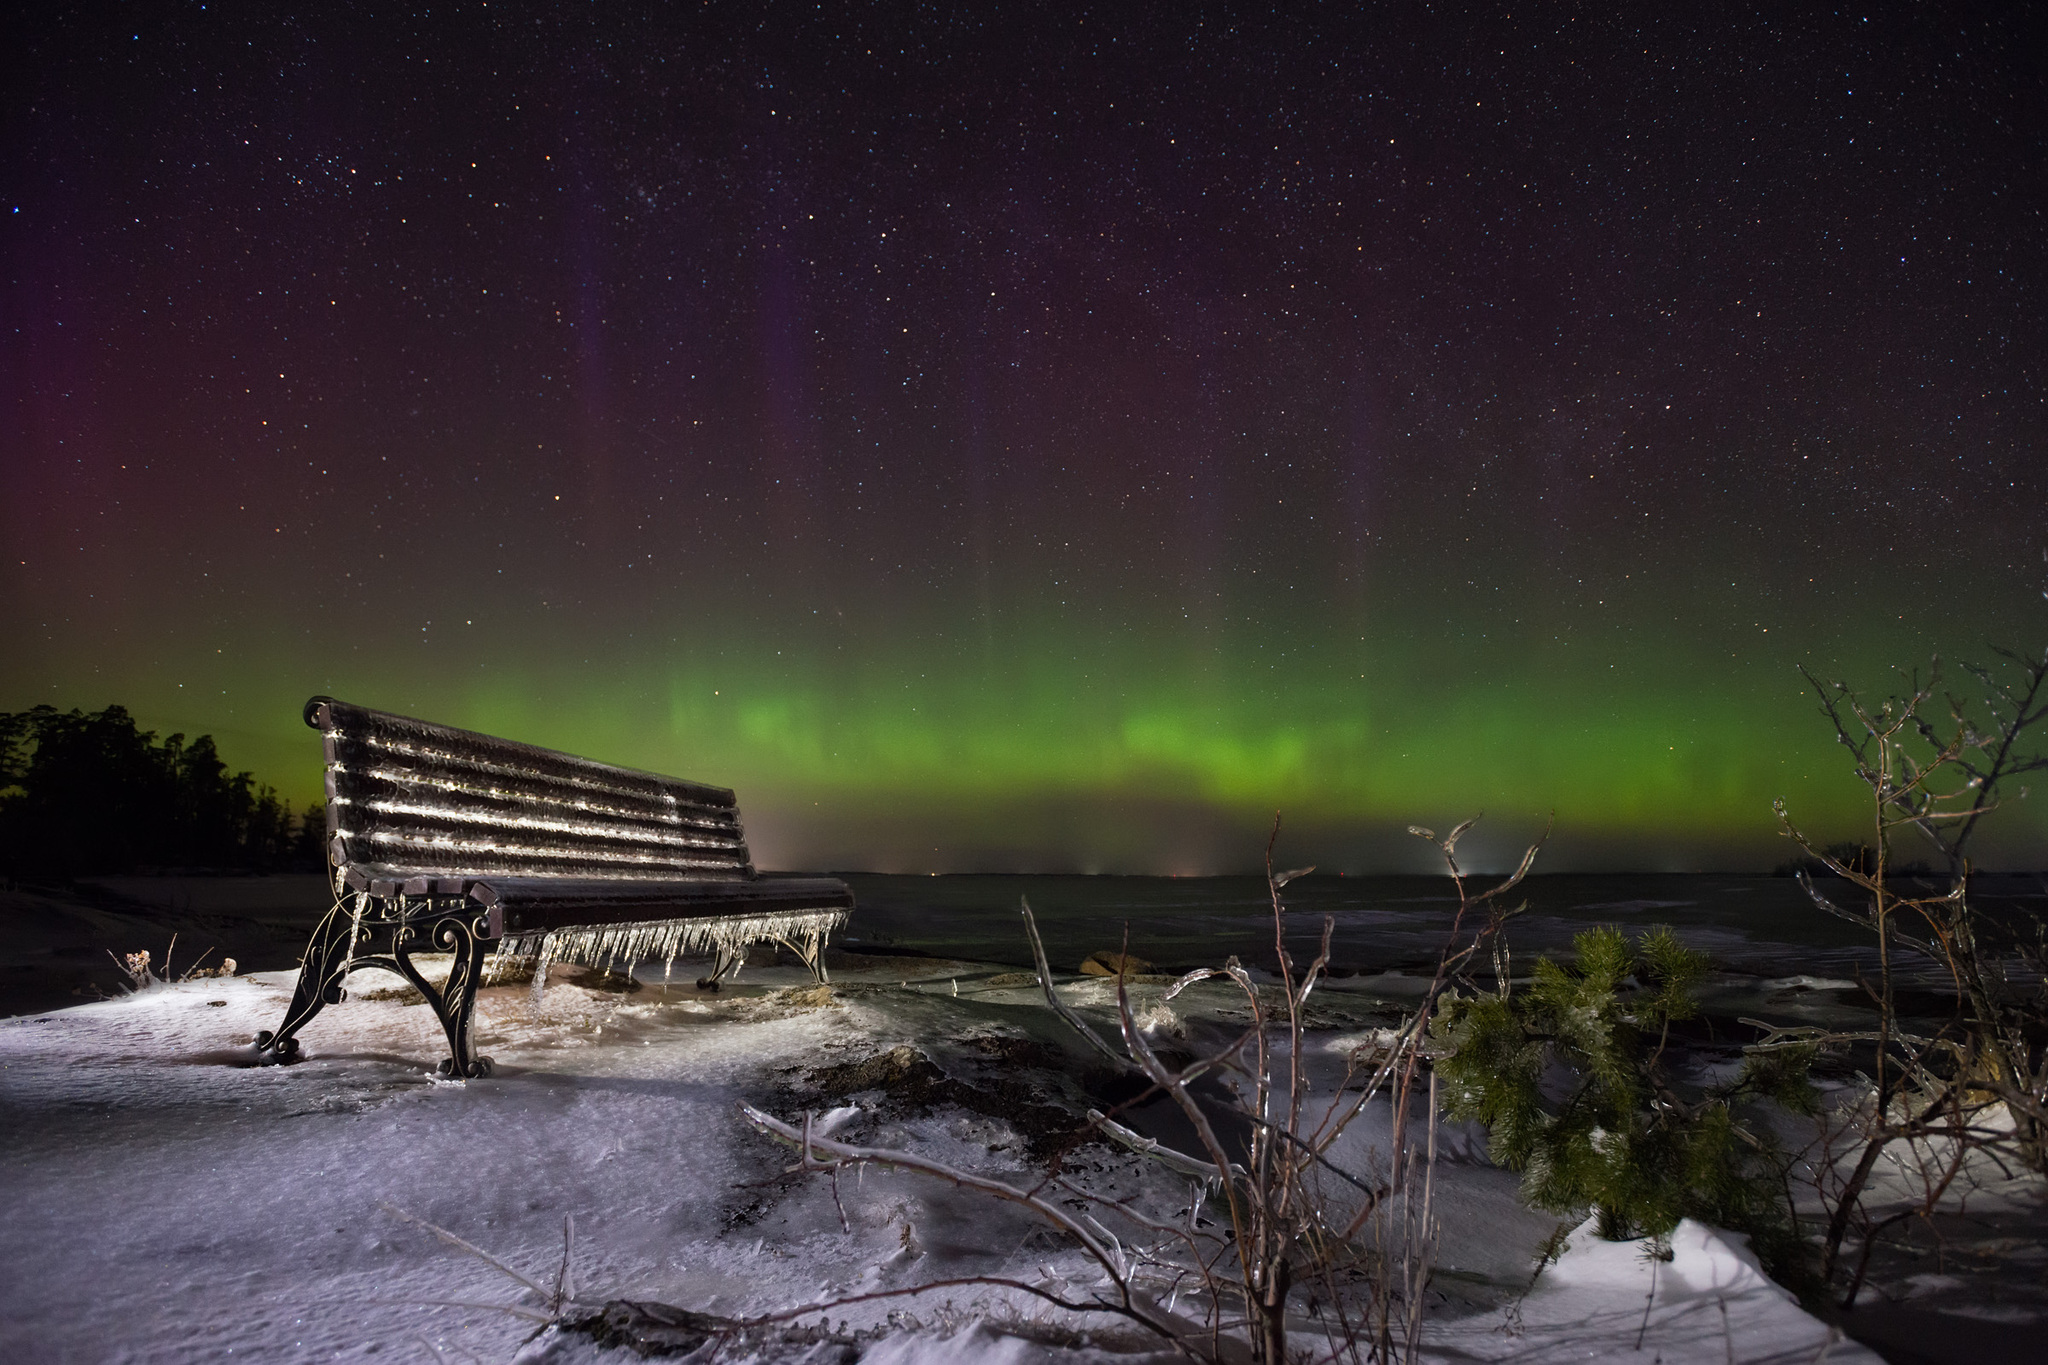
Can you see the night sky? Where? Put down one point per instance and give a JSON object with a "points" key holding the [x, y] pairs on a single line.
{"points": [[1031, 437]]}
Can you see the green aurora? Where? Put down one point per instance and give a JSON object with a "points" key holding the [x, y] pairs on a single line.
{"points": [[1046, 747]]}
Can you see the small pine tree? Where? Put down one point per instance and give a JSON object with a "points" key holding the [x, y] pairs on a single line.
{"points": [[1571, 1081]]}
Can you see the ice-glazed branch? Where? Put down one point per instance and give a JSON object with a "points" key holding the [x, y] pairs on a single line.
{"points": [[452, 1240], [1182, 1343], [1171, 1159], [1198, 974], [563, 1295], [1175, 1084], [1061, 1007]]}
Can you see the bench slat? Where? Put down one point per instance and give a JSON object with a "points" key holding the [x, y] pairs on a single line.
{"points": [[396, 800], [432, 746], [450, 848], [441, 846], [354, 757]]}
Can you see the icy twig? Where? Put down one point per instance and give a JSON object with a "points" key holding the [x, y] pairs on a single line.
{"points": [[452, 1240], [1061, 1007], [1166, 1156], [565, 1285], [1198, 974]]}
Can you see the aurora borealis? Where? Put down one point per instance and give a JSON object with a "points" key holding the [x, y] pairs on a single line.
{"points": [[1036, 437]]}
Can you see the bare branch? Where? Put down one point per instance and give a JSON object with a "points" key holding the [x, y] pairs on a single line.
{"points": [[452, 1240], [1059, 1006]]}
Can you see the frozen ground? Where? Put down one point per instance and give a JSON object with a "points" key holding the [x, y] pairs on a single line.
{"points": [[162, 1200]]}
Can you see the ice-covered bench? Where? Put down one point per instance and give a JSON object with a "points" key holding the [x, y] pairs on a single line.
{"points": [[443, 840]]}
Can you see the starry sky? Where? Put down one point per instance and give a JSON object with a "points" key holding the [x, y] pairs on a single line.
{"points": [[1037, 437]]}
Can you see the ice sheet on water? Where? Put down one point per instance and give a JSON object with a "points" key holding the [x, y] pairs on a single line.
{"points": [[1803, 982]]}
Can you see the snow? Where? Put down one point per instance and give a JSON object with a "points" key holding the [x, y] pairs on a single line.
{"points": [[1605, 1300], [167, 1201]]}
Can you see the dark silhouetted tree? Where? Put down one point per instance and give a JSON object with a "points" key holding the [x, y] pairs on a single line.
{"points": [[84, 792]]}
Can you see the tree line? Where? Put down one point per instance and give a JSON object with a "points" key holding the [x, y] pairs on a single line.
{"points": [[88, 792]]}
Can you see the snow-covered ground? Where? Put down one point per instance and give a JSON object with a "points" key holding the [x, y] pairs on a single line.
{"points": [[161, 1199]]}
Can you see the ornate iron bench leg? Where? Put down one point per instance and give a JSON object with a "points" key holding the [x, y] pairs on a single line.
{"points": [[724, 966], [809, 947], [455, 1003], [321, 970]]}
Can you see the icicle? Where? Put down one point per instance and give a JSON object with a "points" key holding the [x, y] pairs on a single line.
{"points": [[544, 955], [359, 905], [625, 946]]}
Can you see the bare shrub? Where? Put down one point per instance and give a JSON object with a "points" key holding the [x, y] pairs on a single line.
{"points": [[1289, 1222], [1974, 1085], [136, 966]]}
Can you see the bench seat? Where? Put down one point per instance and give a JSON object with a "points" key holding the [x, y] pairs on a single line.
{"points": [[536, 904]]}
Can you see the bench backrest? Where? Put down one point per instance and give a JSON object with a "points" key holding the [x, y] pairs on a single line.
{"points": [[407, 798]]}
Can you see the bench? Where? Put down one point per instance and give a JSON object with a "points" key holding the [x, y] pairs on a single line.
{"points": [[444, 840]]}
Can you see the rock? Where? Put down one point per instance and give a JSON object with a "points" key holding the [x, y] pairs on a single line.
{"points": [[807, 997], [651, 1329], [1114, 964]]}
